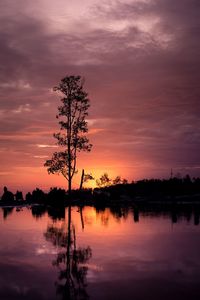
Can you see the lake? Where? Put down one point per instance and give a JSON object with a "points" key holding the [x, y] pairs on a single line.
{"points": [[84, 253]]}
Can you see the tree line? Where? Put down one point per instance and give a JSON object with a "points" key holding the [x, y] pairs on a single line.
{"points": [[113, 191]]}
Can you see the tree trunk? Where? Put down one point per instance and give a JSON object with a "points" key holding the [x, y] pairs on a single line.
{"points": [[82, 220], [82, 178], [69, 186], [69, 136]]}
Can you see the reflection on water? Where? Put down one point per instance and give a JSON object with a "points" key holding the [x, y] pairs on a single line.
{"points": [[70, 260], [104, 253], [7, 211]]}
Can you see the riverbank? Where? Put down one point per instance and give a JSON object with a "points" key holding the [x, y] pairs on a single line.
{"points": [[106, 200]]}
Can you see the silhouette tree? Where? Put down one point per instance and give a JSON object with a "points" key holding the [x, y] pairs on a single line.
{"points": [[7, 195], [104, 181], [85, 178], [117, 180], [74, 109]]}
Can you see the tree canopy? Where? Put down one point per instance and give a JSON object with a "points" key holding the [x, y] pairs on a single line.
{"points": [[73, 127]]}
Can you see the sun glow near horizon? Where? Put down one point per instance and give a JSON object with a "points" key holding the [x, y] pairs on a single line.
{"points": [[129, 54]]}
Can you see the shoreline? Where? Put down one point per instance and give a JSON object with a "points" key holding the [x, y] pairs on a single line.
{"points": [[122, 201]]}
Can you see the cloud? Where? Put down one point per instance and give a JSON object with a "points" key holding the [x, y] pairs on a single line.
{"points": [[47, 146], [40, 156], [22, 108], [141, 63]]}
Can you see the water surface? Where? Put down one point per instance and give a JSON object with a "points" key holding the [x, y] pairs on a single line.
{"points": [[91, 254]]}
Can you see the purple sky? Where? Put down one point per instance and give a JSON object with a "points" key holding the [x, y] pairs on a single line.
{"points": [[141, 64]]}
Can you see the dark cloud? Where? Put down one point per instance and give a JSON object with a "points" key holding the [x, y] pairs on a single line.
{"points": [[141, 64]]}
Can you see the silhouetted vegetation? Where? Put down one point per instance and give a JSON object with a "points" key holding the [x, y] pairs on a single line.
{"points": [[85, 178], [105, 181], [74, 109], [7, 195], [171, 190], [38, 196], [56, 196]]}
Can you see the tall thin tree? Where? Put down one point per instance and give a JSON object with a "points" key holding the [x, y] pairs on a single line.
{"points": [[73, 126]]}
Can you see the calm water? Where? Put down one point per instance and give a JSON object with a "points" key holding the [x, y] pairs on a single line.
{"points": [[91, 254]]}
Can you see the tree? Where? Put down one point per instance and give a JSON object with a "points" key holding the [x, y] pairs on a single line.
{"points": [[73, 126], [117, 180], [103, 181], [85, 178]]}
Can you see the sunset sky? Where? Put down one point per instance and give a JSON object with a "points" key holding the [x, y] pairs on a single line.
{"points": [[141, 64]]}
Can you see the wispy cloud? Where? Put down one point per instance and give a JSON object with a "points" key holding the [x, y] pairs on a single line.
{"points": [[46, 146], [22, 108], [40, 156], [141, 63]]}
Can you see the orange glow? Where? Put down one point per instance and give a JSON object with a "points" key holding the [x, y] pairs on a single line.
{"points": [[27, 178]]}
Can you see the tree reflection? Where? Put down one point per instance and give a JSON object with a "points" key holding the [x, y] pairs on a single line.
{"points": [[7, 211], [71, 261], [38, 211]]}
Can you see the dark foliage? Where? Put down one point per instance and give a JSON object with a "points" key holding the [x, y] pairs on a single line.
{"points": [[73, 128], [56, 196], [156, 189]]}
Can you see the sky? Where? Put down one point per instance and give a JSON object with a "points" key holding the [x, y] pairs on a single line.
{"points": [[141, 64]]}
